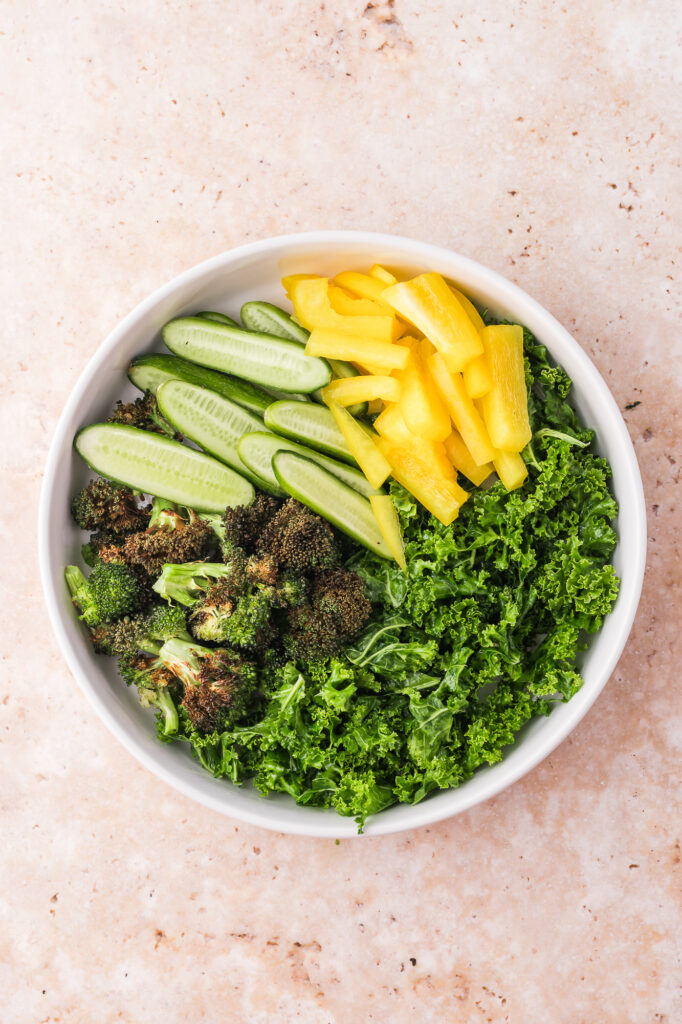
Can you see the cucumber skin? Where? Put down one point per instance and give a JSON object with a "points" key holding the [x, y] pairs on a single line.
{"points": [[221, 318], [236, 464], [380, 548], [172, 447], [340, 470], [277, 323], [339, 451], [240, 391], [265, 342]]}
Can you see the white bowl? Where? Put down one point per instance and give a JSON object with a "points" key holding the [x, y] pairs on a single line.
{"points": [[225, 282]]}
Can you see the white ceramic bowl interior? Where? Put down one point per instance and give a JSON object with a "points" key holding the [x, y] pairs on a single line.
{"points": [[224, 283]]}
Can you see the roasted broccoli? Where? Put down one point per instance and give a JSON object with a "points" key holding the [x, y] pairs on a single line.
{"points": [[298, 539], [337, 611], [155, 685], [244, 524], [144, 413], [188, 582], [170, 537], [240, 621], [220, 685], [105, 506], [111, 591]]}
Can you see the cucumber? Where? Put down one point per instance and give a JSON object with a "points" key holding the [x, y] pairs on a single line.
{"points": [[221, 318], [325, 494], [312, 424], [260, 358], [212, 422], [148, 372], [159, 466], [257, 450], [268, 319]]}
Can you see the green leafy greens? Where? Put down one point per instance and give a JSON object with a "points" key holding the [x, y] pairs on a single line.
{"points": [[482, 636]]}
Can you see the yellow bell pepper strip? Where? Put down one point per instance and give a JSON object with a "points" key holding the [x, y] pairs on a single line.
{"points": [[348, 305], [339, 344], [471, 311], [290, 280], [350, 390], [477, 379], [391, 426], [428, 303], [442, 497], [510, 468], [367, 454], [310, 297], [382, 274], [374, 406], [389, 524], [505, 406], [460, 457], [364, 285], [464, 413], [420, 405]]}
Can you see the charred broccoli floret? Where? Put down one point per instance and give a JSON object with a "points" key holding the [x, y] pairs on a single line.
{"points": [[154, 684], [144, 413], [240, 621], [337, 611], [298, 539], [170, 537], [111, 591], [219, 684], [120, 638], [244, 524], [105, 506], [187, 583]]}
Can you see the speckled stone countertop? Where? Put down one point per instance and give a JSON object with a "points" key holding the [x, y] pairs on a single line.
{"points": [[539, 138]]}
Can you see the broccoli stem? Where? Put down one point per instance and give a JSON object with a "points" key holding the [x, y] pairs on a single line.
{"points": [[170, 712], [81, 596]]}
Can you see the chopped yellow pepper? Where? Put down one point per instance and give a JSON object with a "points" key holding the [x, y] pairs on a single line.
{"points": [[460, 457], [310, 297], [389, 524], [473, 314], [510, 468], [477, 379], [290, 280], [349, 390], [348, 305], [353, 348], [505, 406], [364, 285], [464, 413], [382, 274], [419, 403], [442, 497], [364, 449], [391, 426], [427, 302]]}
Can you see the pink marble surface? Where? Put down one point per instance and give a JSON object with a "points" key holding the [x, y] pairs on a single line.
{"points": [[542, 139]]}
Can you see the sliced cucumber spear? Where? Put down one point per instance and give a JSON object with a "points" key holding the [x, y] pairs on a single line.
{"points": [[259, 358], [157, 465], [258, 449], [268, 319], [311, 424], [148, 372], [325, 494], [221, 318], [213, 422]]}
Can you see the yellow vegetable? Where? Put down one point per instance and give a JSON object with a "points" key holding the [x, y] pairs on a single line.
{"points": [[290, 280], [477, 379], [442, 497], [382, 274], [348, 305], [367, 454], [428, 303], [339, 344], [473, 314], [376, 404], [389, 524], [364, 285], [460, 457], [510, 468], [349, 390], [391, 426], [419, 403], [505, 406], [464, 413], [310, 297]]}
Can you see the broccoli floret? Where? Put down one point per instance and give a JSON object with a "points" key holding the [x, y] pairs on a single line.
{"points": [[243, 622], [110, 592], [219, 684], [154, 684], [298, 539], [105, 506], [244, 524], [120, 638], [262, 569], [187, 583], [143, 413], [170, 537], [290, 591], [337, 611]]}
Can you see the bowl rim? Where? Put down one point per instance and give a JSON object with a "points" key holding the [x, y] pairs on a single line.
{"points": [[437, 808]]}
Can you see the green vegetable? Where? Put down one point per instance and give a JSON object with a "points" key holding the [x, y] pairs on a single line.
{"points": [[309, 424], [111, 591], [221, 318], [148, 372], [268, 319]]}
